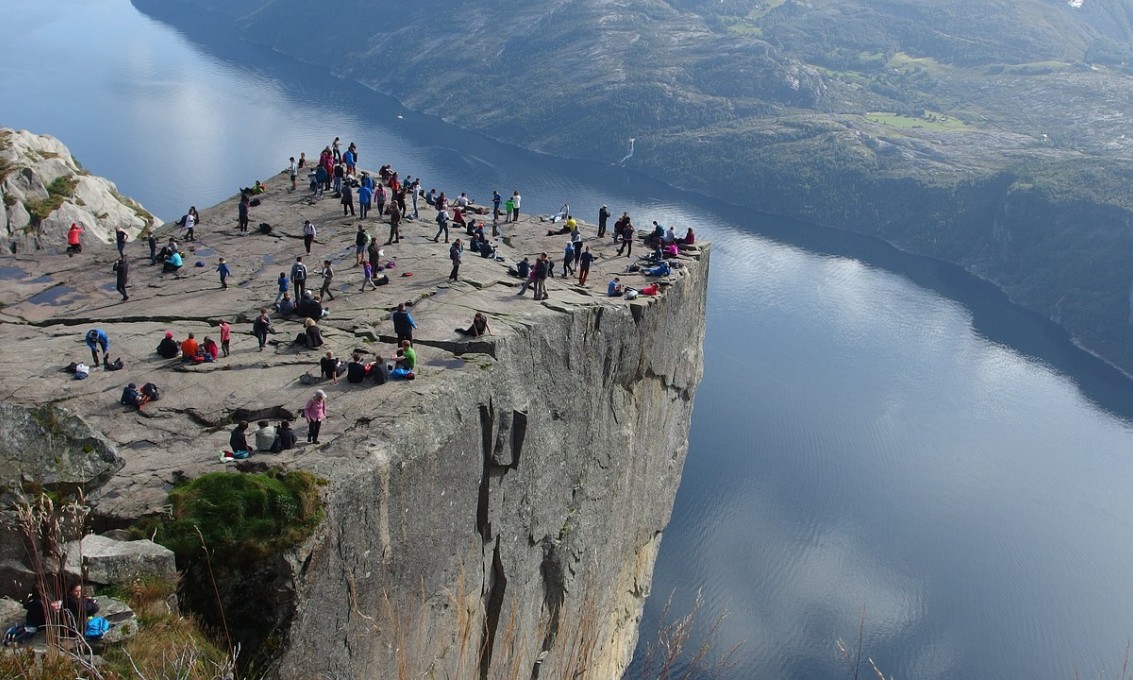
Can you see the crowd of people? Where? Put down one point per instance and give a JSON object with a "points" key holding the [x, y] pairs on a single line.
{"points": [[382, 196]]}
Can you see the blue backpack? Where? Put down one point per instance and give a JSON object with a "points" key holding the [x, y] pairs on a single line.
{"points": [[97, 626]]}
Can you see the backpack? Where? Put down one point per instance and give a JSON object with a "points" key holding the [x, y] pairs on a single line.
{"points": [[265, 228], [115, 365], [277, 445], [97, 626], [300, 272], [151, 391]]}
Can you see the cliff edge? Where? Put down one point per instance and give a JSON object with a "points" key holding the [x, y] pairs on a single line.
{"points": [[502, 511]]}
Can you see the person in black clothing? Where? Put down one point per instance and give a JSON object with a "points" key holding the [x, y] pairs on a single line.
{"points": [[239, 441], [76, 607], [122, 269], [287, 436], [168, 347], [355, 370], [131, 396], [603, 215], [347, 200], [245, 203], [403, 324], [328, 366]]}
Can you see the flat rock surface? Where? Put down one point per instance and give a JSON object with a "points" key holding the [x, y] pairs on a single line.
{"points": [[51, 300]]}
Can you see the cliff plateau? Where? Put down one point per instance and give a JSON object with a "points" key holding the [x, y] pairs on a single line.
{"points": [[499, 513]]}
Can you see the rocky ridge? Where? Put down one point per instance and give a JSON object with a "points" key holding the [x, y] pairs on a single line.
{"points": [[45, 190], [518, 486]]}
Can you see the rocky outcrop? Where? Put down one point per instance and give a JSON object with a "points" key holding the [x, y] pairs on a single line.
{"points": [[510, 499], [105, 561], [45, 190], [49, 446]]}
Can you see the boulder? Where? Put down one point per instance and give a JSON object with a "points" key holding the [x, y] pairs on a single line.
{"points": [[106, 561], [11, 613], [123, 621], [52, 447]]}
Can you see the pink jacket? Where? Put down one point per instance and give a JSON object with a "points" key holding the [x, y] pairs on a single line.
{"points": [[315, 410]]}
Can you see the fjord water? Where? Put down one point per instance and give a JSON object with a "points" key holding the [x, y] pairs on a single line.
{"points": [[879, 440]]}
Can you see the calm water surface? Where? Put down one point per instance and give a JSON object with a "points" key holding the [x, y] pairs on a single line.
{"points": [[878, 438]]}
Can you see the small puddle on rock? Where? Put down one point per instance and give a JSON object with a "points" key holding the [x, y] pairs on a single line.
{"points": [[204, 252], [52, 296], [12, 273]]}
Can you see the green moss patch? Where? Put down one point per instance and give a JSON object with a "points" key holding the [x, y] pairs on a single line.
{"points": [[241, 517]]}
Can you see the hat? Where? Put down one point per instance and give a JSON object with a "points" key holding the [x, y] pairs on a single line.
{"points": [[603, 205], [169, 334], [132, 386]]}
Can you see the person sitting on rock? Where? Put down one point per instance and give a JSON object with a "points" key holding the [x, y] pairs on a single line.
{"points": [[132, 397], [310, 307], [523, 269], [478, 328], [614, 288], [379, 371], [189, 348], [407, 356], [690, 238], [238, 440], [168, 347], [210, 349], [75, 608], [328, 366], [265, 436], [287, 436], [172, 263], [312, 335], [286, 306], [356, 370], [35, 619]]}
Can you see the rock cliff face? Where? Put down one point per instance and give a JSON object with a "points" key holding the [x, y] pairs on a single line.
{"points": [[526, 500], [44, 190], [510, 499]]}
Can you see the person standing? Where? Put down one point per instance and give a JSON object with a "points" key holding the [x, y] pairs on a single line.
{"points": [[225, 336], [542, 267], [584, 266], [454, 254], [339, 176], [122, 269], [225, 272], [496, 199], [627, 234], [365, 195], [261, 327], [568, 259], [120, 237], [380, 198], [328, 278], [416, 189], [96, 339], [308, 235], [282, 284], [74, 240], [321, 179], [515, 201], [347, 200], [299, 276], [603, 216], [361, 240], [335, 151], [403, 324], [293, 171], [151, 241], [509, 208], [315, 412], [368, 276], [242, 215], [442, 225], [394, 224]]}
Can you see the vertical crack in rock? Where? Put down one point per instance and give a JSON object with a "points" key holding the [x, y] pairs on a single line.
{"points": [[554, 594], [493, 607], [509, 439]]}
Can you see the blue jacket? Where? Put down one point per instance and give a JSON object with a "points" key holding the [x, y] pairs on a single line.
{"points": [[365, 193], [99, 338]]}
